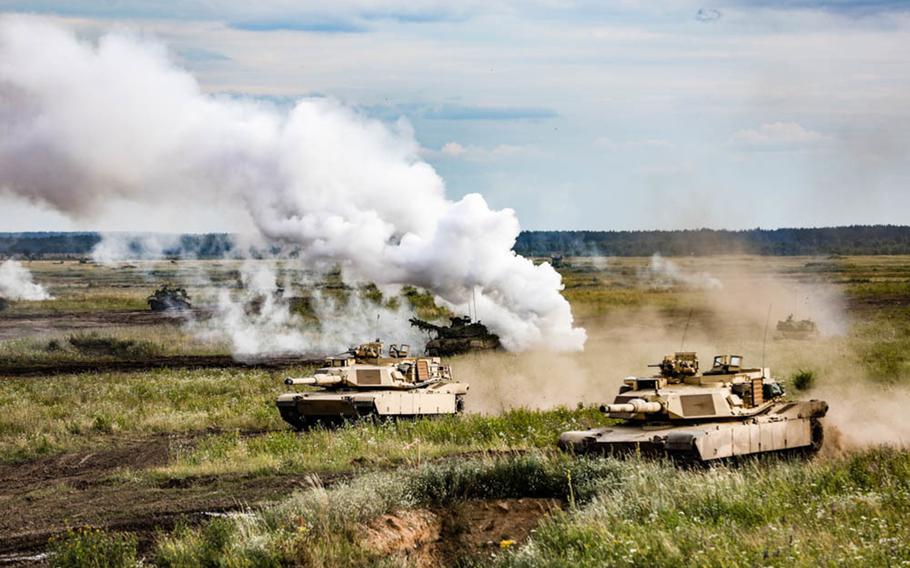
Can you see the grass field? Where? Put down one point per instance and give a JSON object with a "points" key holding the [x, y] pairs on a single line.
{"points": [[416, 492]]}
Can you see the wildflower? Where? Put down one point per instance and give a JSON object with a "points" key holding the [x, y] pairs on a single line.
{"points": [[504, 544]]}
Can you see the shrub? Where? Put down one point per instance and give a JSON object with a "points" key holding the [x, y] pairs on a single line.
{"points": [[93, 548], [803, 379]]}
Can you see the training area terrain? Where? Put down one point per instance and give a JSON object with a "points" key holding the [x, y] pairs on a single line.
{"points": [[128, 435]]}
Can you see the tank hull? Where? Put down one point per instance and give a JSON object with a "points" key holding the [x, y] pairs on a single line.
{"points": [[791, 426], [449, 347], [797, 334], [304, 410]]}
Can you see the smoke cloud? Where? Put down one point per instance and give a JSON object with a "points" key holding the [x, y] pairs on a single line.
{"points": [[87, 124], [16, 283], [258, 319]]}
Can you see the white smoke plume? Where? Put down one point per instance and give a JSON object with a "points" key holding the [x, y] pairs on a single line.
{"points": [[16, 283], [258, 319], [114, 248], [88, 123], [664, 273]]}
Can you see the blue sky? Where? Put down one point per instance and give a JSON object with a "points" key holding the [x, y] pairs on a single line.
{"points": [[581, 115]]}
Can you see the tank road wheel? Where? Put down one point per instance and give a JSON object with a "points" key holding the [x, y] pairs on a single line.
{"points": [[292, 417]]}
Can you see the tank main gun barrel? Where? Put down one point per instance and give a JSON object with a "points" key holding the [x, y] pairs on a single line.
{"points": [[423, 325], [318, 380], [634, 406]]}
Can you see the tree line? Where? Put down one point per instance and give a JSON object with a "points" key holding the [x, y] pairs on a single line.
{"points": [[852, 240]]}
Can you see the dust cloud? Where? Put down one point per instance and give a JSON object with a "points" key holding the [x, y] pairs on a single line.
{"points": [[726, 319]]}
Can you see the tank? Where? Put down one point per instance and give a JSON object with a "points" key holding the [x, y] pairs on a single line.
{"points": [[365, 382], [724, 412], [4, 303], [461, 336], [169, 298], [792, 328]]}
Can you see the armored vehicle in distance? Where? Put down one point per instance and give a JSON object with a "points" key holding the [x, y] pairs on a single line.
{"points": [[792, 328], [366, 383], [169, 298], [461, 336], [726, 411]]}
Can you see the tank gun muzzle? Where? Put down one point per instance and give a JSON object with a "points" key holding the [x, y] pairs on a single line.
{"points": [[317, 380], [634, 406]]}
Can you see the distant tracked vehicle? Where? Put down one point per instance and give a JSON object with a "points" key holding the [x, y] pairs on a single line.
{"points": [[366, 383], [724, 412], [169, 298], [792, 328], [461, 336]]}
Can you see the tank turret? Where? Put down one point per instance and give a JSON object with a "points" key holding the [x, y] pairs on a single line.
{"points": [[729, 410], [367, 381], [791, 328], [169, 298], [462, 335]]}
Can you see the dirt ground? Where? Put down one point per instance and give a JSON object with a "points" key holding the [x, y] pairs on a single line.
{"points": [[46, 497], [17, 326], [472, 529], [172, 362]]}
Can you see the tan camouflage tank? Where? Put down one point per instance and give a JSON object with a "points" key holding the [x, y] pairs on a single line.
{"points": [[726, 411], [792, 328], [367, 383]]}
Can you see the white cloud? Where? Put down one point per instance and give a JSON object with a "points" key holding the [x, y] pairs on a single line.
{"points": [[453, 149], [471, 152], [778, 136]]}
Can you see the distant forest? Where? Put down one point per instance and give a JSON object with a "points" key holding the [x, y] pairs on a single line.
{"points": [[858, 240]]}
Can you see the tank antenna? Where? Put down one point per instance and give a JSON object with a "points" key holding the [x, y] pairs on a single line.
{"points": [[474, 299], [765, 341], [685, 330]]}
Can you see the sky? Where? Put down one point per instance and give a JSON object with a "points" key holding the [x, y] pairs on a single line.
{"points": [[576, 114]]}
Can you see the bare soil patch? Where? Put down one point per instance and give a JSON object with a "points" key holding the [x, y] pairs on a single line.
{"points": [[46, 497], [470, 529], [15, 326], [147, 363]]}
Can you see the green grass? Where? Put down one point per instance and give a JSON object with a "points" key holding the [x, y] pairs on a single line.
{"points": [[92, 548], [369, 445], [114, 343], [882, 344], [769, 512], [71, 412], [839, 512]]}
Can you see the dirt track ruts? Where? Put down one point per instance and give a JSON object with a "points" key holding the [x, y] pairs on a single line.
{"points": [[47, 496], [174, 362]]}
